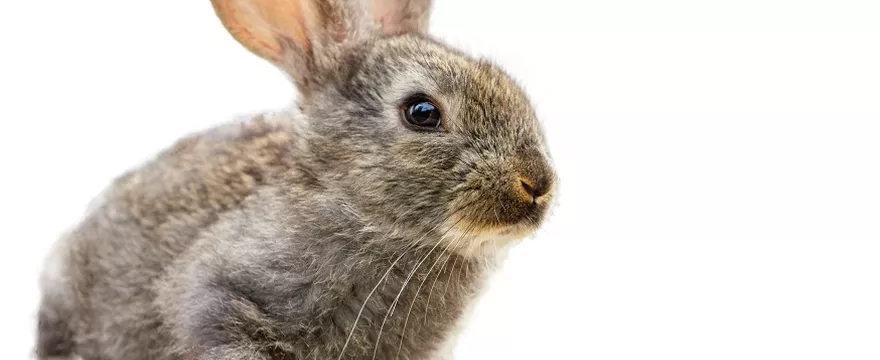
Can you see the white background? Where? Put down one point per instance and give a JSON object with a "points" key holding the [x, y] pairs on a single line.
{"points": [[719, 161]]}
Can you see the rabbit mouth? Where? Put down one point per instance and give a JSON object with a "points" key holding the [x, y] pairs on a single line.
{"points": [[480, 240], [516, 231], [496, 220]]}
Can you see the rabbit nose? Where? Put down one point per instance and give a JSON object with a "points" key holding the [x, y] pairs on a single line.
{"points": [[530, 190]]}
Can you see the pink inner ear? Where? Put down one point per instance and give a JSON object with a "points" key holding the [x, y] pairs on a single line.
{"points": [[399, 16], [259, 24], [287, 18], [385, 12]]}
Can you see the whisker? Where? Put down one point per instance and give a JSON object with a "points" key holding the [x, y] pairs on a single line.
{"points": [[439, 273], [419, 289], [384, 276], [364, 305], [449, 278], [391, 308], [465, 263], [403, 287]]}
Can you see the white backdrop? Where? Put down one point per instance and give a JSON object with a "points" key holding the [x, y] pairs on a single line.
{"points": [[719, 161]]}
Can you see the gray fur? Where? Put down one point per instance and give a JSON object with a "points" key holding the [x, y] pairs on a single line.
{"points": [[274, 237]]}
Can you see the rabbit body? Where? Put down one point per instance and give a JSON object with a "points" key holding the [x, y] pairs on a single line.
{"points": [[360, 224], [238, 256]]}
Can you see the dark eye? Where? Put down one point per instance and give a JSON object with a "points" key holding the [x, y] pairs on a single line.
{"points": [[422, 113]]}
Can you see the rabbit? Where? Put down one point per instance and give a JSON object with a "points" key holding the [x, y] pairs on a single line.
{"points": [[359, 223]]}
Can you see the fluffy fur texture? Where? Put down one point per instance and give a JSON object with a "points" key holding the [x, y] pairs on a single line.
{"points": [[333, 230]]}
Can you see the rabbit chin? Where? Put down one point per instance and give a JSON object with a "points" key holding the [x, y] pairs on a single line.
{"points": [[486, 241]]}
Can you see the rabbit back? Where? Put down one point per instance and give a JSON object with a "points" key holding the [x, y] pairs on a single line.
{"points": [[99, 283]]}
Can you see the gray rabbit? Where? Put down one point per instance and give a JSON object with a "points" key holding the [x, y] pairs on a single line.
{"points": [[359, 224]]}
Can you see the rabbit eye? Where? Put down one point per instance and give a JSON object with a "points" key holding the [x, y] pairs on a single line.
{"points": [[423, 113]]}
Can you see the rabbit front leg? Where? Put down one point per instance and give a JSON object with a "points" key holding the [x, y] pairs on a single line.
{"points": [[211, 322]]}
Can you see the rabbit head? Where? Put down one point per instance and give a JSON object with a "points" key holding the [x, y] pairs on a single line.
{"points": [[416, 137]]}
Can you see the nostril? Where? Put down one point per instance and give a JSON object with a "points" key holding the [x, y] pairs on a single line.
{"points": [[529, 188]]}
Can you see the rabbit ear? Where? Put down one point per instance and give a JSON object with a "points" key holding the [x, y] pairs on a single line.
{"points": [[298, 35], [402, 16]]}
